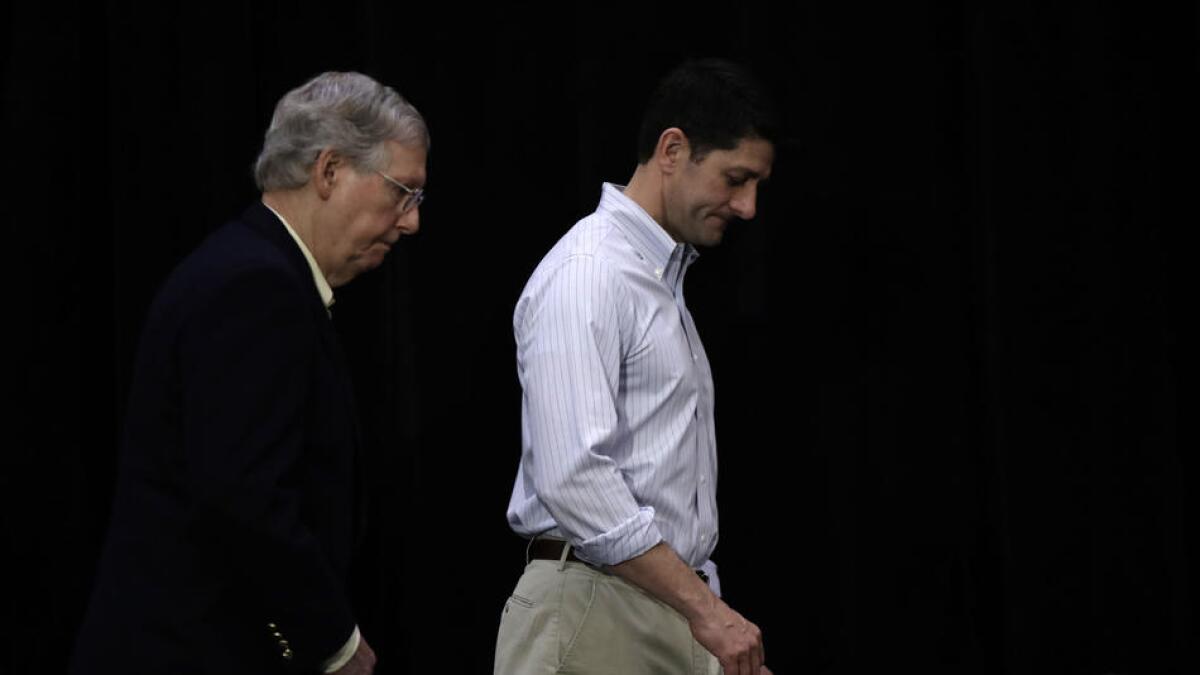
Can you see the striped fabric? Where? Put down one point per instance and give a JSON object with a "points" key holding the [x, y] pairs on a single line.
{"points": [[618, 449]]}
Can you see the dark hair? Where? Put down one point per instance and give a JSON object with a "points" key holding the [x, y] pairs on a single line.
{"points": [[715, 102]]}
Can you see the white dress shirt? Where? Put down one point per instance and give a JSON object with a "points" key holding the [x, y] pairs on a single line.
{"points": [[618, 444]]}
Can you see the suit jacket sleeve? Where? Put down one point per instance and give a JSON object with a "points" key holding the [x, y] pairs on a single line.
{"points": [[246, 359]]}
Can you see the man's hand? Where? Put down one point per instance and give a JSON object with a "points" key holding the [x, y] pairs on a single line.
{"points": [[735, 642], [362, 663]]}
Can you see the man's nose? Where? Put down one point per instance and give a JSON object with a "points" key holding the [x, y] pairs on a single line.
{"points": [[409, 223], [743, 203]]}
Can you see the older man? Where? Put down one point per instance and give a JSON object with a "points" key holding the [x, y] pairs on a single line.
{"points": [[616, 489], [234, 514]]}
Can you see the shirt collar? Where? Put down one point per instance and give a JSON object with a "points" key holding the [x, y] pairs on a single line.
{"points": [[323, 288], [668, 257]]}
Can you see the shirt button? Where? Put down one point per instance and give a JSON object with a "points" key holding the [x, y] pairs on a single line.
{"points": [[703, 479]]}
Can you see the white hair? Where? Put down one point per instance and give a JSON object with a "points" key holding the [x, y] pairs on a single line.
{"points": [[349, 113]]}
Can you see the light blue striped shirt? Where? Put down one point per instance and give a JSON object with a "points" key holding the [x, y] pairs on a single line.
{"points": [[618, 446]]}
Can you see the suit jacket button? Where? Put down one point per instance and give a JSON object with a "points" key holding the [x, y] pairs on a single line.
{"points": [[287, 655], [272, 626]]}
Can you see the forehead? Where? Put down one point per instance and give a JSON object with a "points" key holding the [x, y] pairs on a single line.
{"points": [[407, 163], [750, 155]]}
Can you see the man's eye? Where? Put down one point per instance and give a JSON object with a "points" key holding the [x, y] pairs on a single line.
{"points": [[734, 181]]}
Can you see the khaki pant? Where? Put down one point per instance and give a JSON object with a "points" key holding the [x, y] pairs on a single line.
{"points": [[566, 617]]}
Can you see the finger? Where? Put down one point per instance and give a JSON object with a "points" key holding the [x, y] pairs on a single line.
{"points": [[743, 663]]}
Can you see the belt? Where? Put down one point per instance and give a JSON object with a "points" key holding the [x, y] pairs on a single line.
{"points": [[552, 549]]}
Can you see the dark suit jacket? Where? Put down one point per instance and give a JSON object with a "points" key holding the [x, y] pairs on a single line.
{"points": [[234, 509]]}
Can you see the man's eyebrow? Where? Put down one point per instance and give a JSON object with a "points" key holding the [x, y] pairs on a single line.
{"points": [[747, 173]]}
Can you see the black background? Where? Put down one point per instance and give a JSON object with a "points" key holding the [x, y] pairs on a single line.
{"points": [[944, 351]]}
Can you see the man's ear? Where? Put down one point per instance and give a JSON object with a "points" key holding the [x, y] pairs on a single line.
{"points": [[672, 150], [324, 174]]}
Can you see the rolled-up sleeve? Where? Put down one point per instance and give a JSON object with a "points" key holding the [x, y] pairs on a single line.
{"points": [[570, 336]]}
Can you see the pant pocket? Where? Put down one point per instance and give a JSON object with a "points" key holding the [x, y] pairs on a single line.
{"points": [[527, 638], [575, 605]]}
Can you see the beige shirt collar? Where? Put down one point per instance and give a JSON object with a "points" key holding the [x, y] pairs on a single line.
{"points": [[323, 287]]}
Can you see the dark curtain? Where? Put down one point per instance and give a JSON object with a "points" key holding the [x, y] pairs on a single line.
{"points": [[944, 351]]}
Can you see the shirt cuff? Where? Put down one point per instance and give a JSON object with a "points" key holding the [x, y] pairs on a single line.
{"points": [[628, 540], [343, 655], [714, 581]]}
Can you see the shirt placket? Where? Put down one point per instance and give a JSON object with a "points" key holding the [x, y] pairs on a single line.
{"points": [[705, 451]]}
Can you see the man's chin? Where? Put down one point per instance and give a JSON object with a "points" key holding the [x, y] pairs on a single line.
{"points": [[375, 255], [714, 236], [713, 231], [365, 262]]}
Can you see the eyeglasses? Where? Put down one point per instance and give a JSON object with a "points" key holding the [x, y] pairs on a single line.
{"points": [[412, 197]]}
